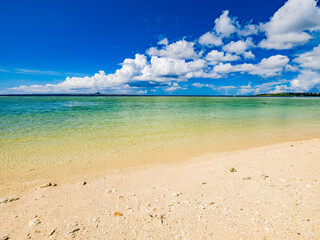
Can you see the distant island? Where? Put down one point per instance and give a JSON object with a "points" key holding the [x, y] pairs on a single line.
{"points": [[301, 94]]}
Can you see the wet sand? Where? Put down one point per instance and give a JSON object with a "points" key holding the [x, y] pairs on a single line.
{"points": [[270, 192]]}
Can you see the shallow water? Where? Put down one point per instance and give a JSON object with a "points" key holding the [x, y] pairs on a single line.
{"points": [[38, 134]]}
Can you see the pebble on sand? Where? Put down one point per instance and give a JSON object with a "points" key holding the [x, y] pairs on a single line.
{"points": [[232, 170], [5, 238], [49, 184], [118, 214]]}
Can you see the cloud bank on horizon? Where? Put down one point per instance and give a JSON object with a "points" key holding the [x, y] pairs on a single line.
{"points": [[289, 41]]}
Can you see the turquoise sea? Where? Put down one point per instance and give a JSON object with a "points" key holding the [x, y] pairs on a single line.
{"points": [[39, 134]]}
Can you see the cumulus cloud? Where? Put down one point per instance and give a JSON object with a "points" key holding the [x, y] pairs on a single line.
{"points": [[238, 47], [305, 81], [215, 57], [291, 25], [270, 67], [266, 87], [291, 68], [273, 62], [173, 87], [213, 87], [210, 39], [164, 69], [248, 30], [248, 55], [246, 89], [164, 41], [178, 50], [224, 25], [141, 92], [310, 59], [116, 81], [267, 67]]}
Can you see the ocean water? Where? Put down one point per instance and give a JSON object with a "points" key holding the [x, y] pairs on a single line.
{"points": [[40, 136]]}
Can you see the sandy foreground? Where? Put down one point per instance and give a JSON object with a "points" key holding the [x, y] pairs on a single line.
{"points": [[270, 192]]}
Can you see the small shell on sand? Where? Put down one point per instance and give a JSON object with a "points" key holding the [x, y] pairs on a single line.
{"points": [[176, 194], [4, 200], [72, 231], [7, 200], [49, 184], [51, 232], [246, 178], [34, 222]]}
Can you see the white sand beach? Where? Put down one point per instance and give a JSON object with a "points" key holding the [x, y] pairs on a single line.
{"points": [[270, 192]]}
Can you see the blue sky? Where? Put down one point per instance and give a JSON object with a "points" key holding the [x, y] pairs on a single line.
{"points": [[143, 47]]}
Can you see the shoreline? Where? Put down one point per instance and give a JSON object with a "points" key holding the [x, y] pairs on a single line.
{"points": [[273, 193], [96, 168]]}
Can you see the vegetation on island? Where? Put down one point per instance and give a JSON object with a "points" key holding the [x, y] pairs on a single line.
{"points": [[289, 94]]}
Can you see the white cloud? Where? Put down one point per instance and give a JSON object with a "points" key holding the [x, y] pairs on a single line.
{"points": [[280, 89], [276, 61], [215, 56], [285, 40], [177, 50], [246, 89], [305, 81], [174, 86], [287, 27], [267, 86], [291, 68], [203, 73], [163, 42], [142, 92], [224, 25], [310, 59], [238, 47], [210, 39], [213, 87], [272, 66], [247, 30], [248, 55], [164, 69], [267, 67], [117, 80]]}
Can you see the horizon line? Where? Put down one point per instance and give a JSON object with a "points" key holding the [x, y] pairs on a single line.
{"points": [[148, 95]]}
